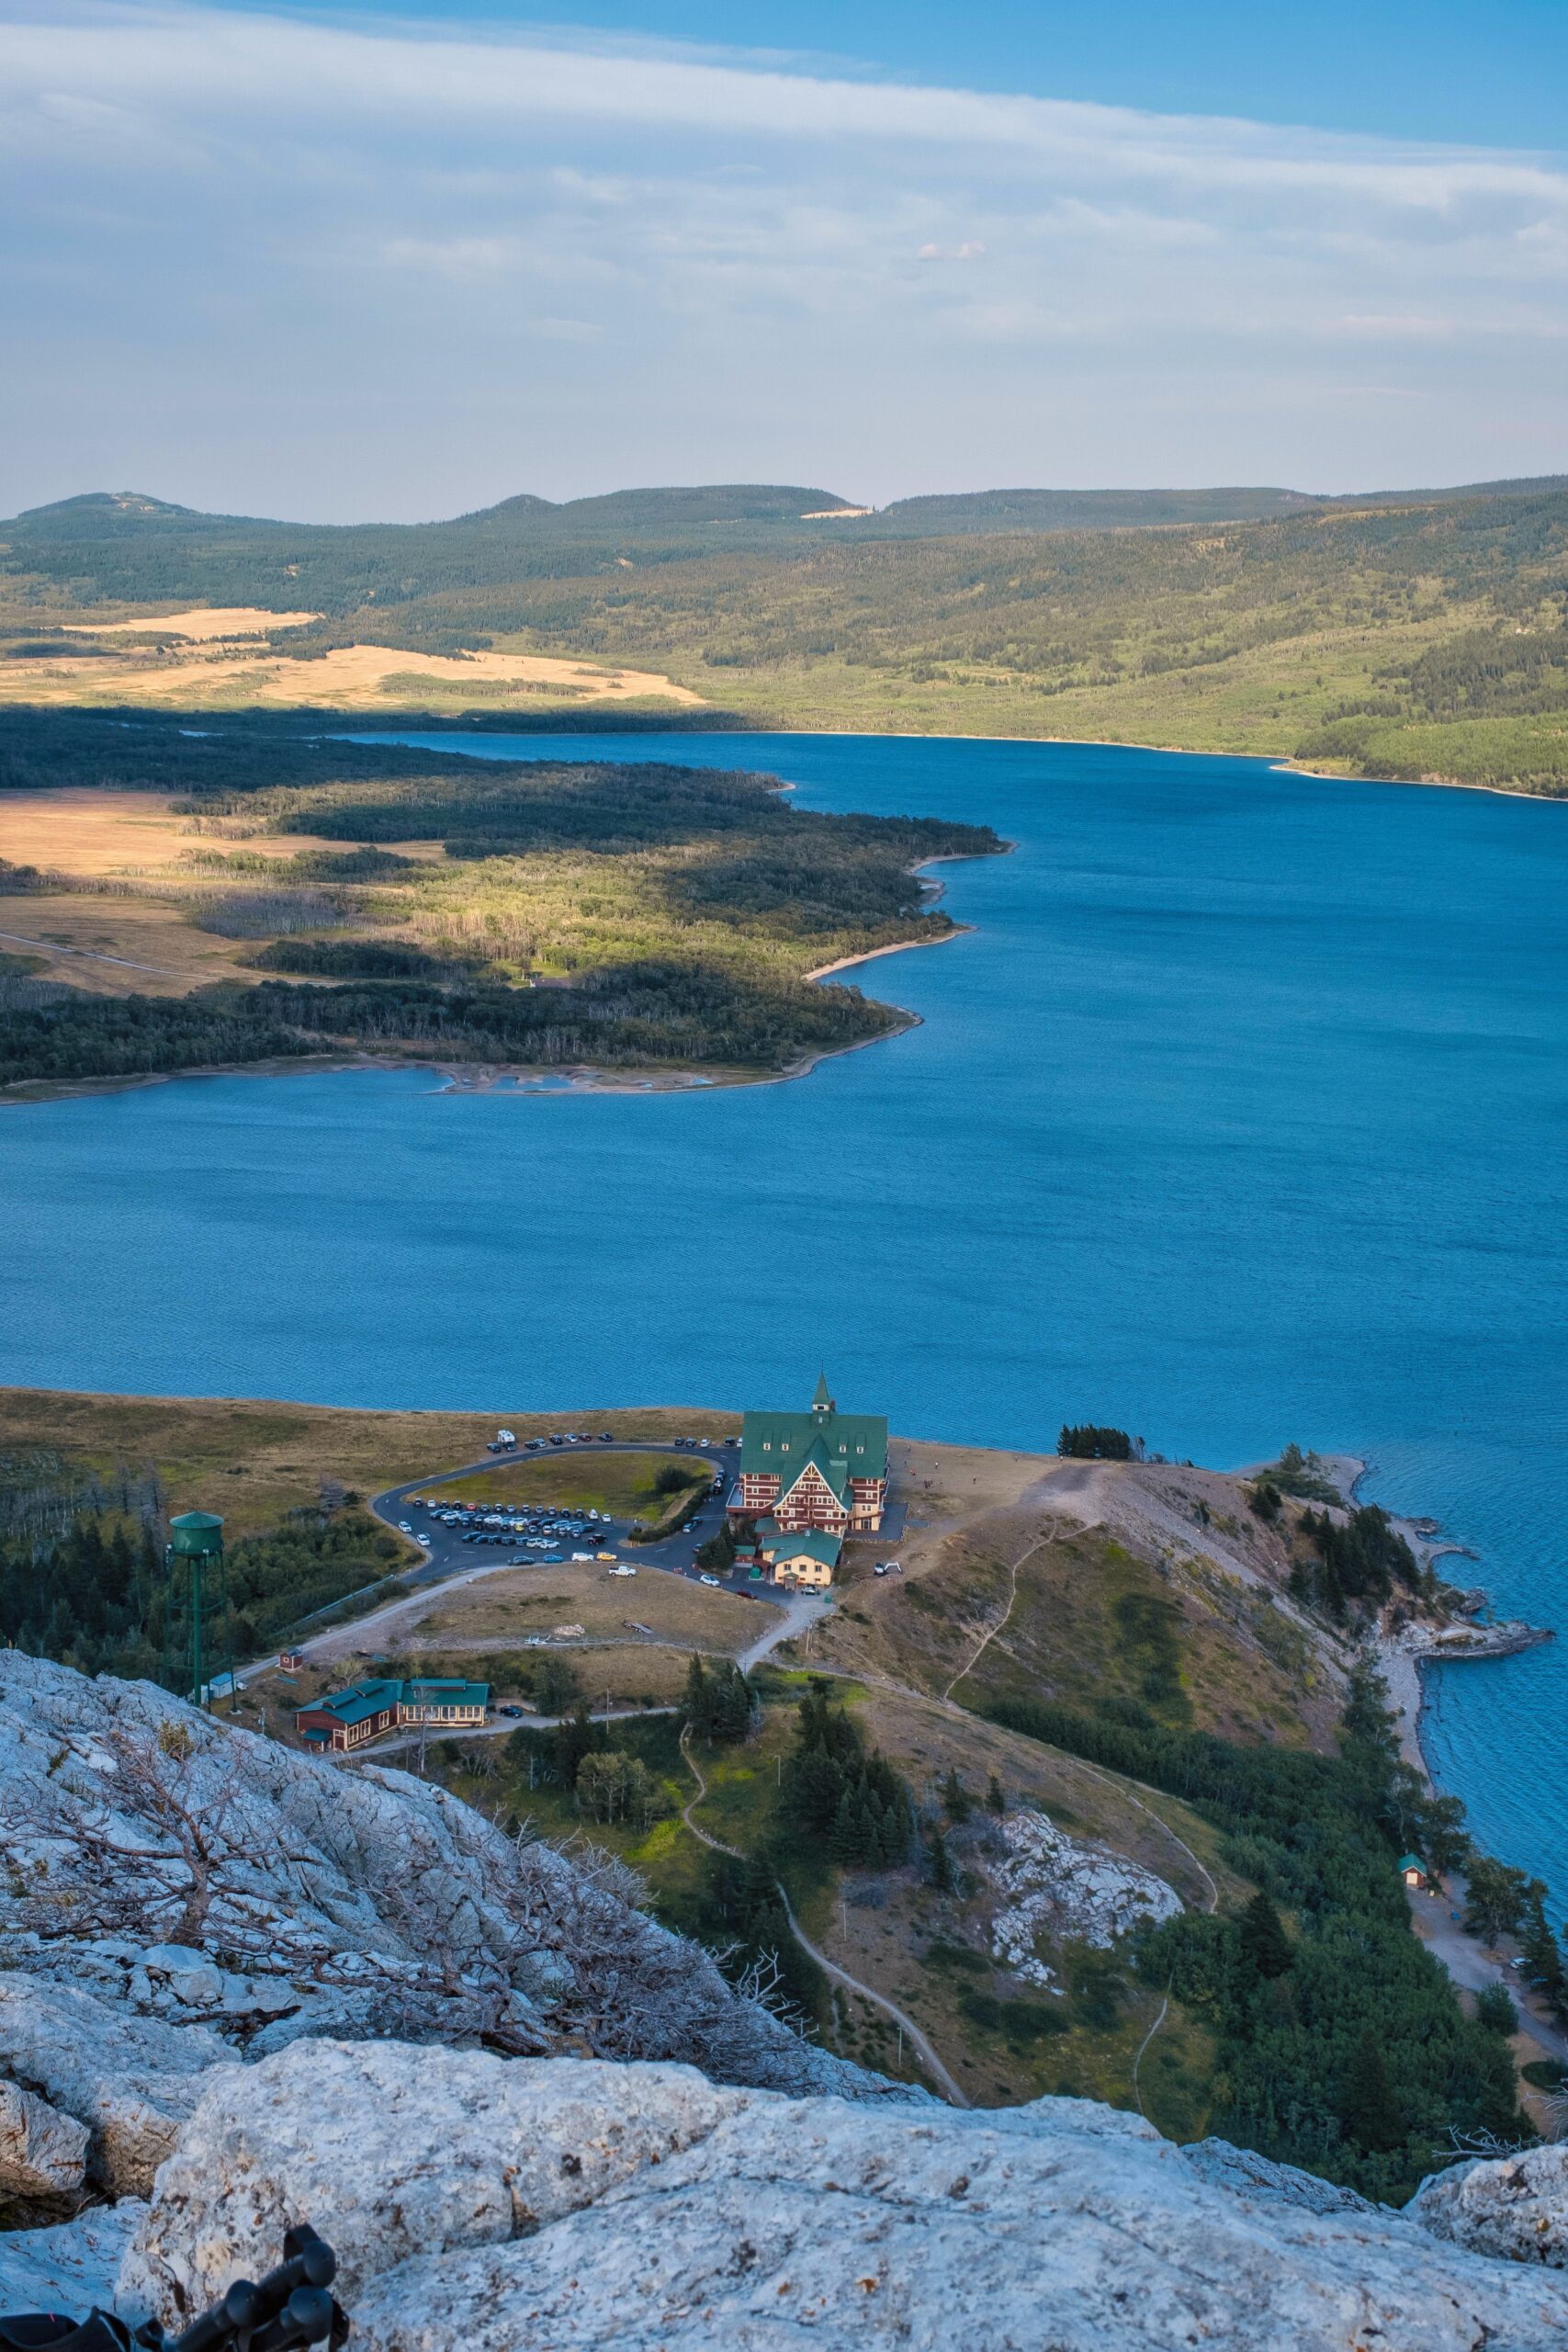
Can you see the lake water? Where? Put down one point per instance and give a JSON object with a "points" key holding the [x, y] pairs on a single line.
{"points": [[1239, 1117]]}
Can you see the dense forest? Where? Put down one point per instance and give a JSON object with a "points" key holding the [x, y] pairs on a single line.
{"points": [[1392, 636], [632, 916]]}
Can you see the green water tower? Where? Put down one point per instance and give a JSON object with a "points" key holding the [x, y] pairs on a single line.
{"points": [[196, 1537]]}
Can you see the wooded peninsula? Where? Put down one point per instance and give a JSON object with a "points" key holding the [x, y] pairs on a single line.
{"points": [[288, 895]]}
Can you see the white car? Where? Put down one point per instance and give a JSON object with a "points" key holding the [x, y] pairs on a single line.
{"points": [[582, 1556], [403, 1527], [880, 1570], [623, 1572], [713, 1580]]}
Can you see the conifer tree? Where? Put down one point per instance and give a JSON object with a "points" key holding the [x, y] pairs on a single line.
{"points": [[995, 1800], [942, 1864], [956, 1801], [1542, 1954], [1261, 1939]]}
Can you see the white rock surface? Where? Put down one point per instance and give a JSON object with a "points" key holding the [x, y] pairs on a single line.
{"points": [[129, 2080], [411, 2158], [203, 1876], [42, 2152], [69, 2268], [1512, 2205], [568, 2204], [1051, 1884], [1250, 2174]]}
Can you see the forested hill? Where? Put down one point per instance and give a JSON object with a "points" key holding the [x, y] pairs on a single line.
{"points": [[1397, 635]]}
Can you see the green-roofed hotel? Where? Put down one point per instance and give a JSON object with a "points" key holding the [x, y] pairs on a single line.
{"points": [[820, 1472]]}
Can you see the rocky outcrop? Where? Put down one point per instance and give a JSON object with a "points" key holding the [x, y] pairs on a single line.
{"points": [[1513, 2206], [128, 2082], [1050, 1885], [481, 2206], [200, 1879]]}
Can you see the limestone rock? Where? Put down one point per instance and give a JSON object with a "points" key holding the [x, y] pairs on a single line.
{"points": [[201, 1875], [69, 2268], [1254, 2175], [130, 2080], [1512, 2205], [1066, 1888], [485, 2207], [411, 2152], [42, 2152]]}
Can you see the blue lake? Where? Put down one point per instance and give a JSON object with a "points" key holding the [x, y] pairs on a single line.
{"points": [[1239, 1117]]}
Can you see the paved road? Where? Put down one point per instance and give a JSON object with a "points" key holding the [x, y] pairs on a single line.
{"points": [[1438, 1921]]}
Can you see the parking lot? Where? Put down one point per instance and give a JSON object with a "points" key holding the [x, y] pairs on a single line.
{"points": [[456, 1533]]}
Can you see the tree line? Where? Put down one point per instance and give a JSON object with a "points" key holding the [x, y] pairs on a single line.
{"points": [[1343, 2047], [98, 1594]]}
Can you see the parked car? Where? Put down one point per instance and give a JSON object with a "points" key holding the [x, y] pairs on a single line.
{"points": [[512, 1712], [706, 1579]]}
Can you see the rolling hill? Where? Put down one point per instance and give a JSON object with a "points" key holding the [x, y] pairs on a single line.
{"points": [[1404, 634]]}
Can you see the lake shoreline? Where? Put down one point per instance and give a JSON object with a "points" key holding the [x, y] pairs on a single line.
{"points": [[1282, 763], [1403, 1657]]}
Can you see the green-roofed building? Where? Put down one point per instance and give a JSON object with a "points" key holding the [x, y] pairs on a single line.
{"points": [[807, 1560], [365, 1711], [820, 1472]]}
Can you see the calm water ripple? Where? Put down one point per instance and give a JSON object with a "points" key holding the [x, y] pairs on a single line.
{"points": [[1239, 1117]]}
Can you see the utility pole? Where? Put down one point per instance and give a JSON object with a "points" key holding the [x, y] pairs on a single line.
{"points": [[197, 1536]]}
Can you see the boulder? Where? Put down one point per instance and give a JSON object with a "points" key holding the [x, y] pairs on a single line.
{"points": [[411, 2152], [1512, 2205], [481, 2206], [42, 2152], [189, 1974], [69, 2268], [130, 2080]]}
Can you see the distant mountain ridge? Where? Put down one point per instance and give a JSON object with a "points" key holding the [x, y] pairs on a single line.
{"points": [[709, 504]]}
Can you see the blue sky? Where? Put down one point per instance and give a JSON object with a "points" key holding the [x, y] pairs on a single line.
{"points": [[1486, 71], [356, 262]]}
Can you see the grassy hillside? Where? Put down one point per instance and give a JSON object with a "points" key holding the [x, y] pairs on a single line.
{"points": [[288, 895], [1398, 635]]}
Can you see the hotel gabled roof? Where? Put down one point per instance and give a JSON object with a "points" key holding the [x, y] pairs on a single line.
{"points": [[775, 1445]]}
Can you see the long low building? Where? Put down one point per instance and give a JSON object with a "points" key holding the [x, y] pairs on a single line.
{"points": [[347, 1719]]}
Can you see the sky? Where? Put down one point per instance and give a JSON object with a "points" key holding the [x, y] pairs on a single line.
{"points": [[357, 263]]}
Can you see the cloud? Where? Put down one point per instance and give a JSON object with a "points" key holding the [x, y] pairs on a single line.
{"points": [[613, 263]]}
